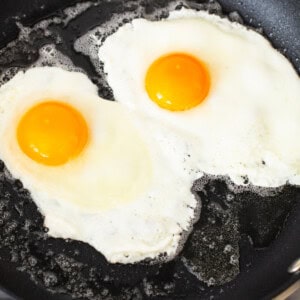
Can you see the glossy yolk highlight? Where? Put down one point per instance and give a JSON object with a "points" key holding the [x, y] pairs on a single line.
{"points": [[177, 82], [52, 133]]}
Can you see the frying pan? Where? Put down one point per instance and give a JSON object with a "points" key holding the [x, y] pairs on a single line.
{"points": [[265, 270]]}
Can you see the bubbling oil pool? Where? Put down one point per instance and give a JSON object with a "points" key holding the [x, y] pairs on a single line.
{"points": [[211, 253]]}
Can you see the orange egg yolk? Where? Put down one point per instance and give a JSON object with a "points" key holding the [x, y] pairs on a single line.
{"points": [[177, 82], [52, 133]]}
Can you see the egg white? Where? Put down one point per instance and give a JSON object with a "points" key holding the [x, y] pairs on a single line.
{"points": [[125, 195], [249, 123]]}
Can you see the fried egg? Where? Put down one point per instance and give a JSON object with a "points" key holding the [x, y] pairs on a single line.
{"points": [[223, 88], [93, 172]]}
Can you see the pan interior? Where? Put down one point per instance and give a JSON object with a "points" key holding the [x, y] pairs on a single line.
{"points": [[232, 229]]}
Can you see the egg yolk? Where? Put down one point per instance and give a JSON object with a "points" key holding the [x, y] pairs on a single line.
{"points": [[177, 82], [52, 133]]}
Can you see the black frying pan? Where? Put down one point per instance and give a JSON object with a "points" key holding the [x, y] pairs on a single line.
{"points": [[265, 265]]}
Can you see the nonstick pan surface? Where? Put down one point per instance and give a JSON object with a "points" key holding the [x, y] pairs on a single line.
{"points": [[272, 224]]}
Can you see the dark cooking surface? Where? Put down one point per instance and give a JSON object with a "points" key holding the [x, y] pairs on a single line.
{"points": [[67, 266]]}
